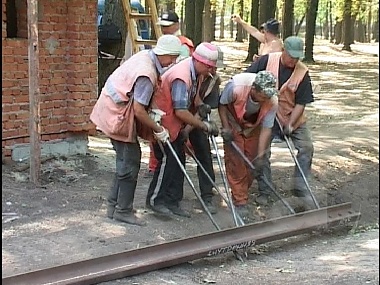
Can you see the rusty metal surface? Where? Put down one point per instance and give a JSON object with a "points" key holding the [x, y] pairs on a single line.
{"points": [[159, 256]]}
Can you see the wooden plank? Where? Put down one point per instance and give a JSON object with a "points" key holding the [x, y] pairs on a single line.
{"points": [[34, 92]]}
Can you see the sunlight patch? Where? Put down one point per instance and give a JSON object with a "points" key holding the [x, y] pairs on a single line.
{"points": [[371, 244]]}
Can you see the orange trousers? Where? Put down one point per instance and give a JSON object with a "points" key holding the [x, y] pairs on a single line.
{"points": [[239, 175]]}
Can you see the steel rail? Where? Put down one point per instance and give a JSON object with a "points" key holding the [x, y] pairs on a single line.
{"points": [[163, 255]]}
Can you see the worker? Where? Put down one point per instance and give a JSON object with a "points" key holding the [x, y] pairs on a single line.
{"points": [[247, 110], [295, 92], [121, 114], [267, 35], [169, 23], [178, 97]]}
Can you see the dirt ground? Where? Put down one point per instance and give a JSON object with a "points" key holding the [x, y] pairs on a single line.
{"points": [[64, 220]]}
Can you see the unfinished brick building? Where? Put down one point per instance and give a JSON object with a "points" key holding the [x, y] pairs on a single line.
{"points": [[68, 75]]}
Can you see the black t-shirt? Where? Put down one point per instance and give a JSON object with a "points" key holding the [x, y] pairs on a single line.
{"points": [[304, 92]]}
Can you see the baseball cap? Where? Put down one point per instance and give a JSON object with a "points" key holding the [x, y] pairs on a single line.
{"points": [[266, 81], [219, 61], [294, 46], [167, 45], [206, 53], [272, 26], [168, 19]]}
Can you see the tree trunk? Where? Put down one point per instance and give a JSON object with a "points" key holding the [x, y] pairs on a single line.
{"points": [[311, 16], [239, 29], [207, 22], [232, 24], [347, 26], [331, 22], [369, 21], [213, 21], [267, 10], [190, 19], [253, 43], [222, 13], [288, 19], [198, 25], [182, 17], [338, 32], [299, 25], [326, 23]]}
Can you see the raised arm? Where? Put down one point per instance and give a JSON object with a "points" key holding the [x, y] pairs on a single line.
{"points": [[250, 29]]}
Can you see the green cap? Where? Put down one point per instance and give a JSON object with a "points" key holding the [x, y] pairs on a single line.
{"points": [[294, 47], [267, 82]]}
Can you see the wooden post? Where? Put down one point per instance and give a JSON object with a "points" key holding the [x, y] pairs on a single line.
{"points": [[34, 92]]}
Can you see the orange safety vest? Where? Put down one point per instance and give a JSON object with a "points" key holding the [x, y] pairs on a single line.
{"points": [[106, 113], [241, 91], [186, 41], [163, 98], [287, 92]]}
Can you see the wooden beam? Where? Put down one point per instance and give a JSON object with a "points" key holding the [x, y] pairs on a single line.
{"points": [[34, 92]]}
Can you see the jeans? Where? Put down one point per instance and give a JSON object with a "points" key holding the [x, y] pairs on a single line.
{"points": [[303, 143], [122, 192]]}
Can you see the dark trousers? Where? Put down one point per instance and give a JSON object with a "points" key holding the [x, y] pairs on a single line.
{"points": [[122, 192], [202, 151], [166, 186]]}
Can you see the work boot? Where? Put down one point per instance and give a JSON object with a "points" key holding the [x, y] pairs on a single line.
{"points": [[211, 206], [177, 210], [308, 203], [160, 209], [262, 199], [244, 212], [128, 218], [110, 211]]}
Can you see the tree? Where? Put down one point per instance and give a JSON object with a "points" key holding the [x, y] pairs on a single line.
{"points": [[253, 42], [222, 13], [194, 20], [267, 9], [207, 22], [239, 29], [288, 19], [347, 40], [311, 16]]}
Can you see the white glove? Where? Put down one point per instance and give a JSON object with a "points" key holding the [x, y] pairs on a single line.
{"points": [[156, 114], [163, 135]]}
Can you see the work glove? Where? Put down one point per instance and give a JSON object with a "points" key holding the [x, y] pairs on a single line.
{"points": [[204, 110], [156, 114], [288, 130], [227, 136], [184, 135], [212, 128], [162, 136], [259, 167]]}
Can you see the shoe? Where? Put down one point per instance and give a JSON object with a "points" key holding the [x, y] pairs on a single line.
{"points": [[211, 207], [128, 218], [160, 209], [110, 211], [308, 203], [244, 213], [176, 210], [262, 199]]}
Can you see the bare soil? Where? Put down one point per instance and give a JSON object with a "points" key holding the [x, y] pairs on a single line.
{"points": [[64, 220]]}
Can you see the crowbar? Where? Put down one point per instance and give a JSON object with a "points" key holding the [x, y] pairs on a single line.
{"points": [[246, 160], [297, 163], [213, 183]]}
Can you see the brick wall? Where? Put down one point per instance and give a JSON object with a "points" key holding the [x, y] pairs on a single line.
{"points": [[68, 72]]}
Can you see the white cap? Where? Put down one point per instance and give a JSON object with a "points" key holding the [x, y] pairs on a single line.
{"points": [[168, 45]]}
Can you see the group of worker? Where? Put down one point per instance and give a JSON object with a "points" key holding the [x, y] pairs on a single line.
{"points": [[165, 95]]}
